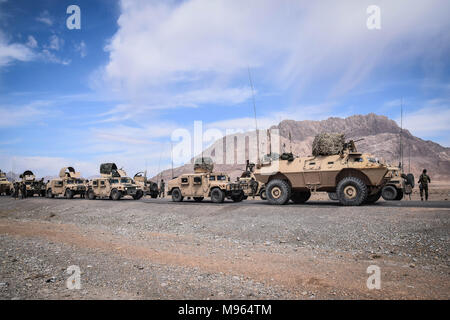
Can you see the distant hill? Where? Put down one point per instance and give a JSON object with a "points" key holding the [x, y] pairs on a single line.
{"points": [[380, 134]]}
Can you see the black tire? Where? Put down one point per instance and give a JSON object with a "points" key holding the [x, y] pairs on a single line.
{"points": [[300, 196], [139, 194], [154, 196], [198, 199], [50, 194], [389, 193], [278, 192], [91, 194], [176, 195], [263, 194], [238, 198], [373, 198], [399, 195], [410, 179], [69, 194], [333, 196], [115, 194], [351, 191], [217, 195]]}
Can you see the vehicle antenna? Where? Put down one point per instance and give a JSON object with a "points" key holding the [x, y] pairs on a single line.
{"points": [[171, 155], [290, 143], [401, 134], [254, 110]]}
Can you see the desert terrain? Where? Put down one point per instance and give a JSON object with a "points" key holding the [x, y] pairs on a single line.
{"points": [[156, 249]]}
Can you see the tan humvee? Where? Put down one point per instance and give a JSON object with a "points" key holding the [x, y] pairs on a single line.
{"points": [[398, 185], [68, 184], [204, 183], [357, 178], [149, 187], [250, 185], [113, 184], [6, 187], [33, 186]]}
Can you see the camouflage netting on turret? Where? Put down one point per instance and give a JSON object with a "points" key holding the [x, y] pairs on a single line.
{"points": [[326, 144], [203, 165]]}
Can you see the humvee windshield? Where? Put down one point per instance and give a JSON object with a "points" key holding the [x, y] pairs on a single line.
{"points": [[79, 181], [221, 178], [126, 180], [28, 183], [114, 180]]}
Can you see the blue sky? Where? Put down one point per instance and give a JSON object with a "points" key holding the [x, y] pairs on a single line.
{"points": [[116, 89]]}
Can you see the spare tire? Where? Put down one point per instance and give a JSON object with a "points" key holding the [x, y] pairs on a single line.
{"points": [[410, 179], [389, 193]]}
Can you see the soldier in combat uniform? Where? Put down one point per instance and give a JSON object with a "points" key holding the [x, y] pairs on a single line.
{"points": [[16, 190], [162, 187], [24, 190], [424, 179]]}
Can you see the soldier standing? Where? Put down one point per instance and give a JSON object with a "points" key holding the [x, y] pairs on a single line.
{"points": [[16, 190], [162, 187], [424, 179], [24, 190]]}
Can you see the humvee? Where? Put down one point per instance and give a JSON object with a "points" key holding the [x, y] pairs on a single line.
{"points": [[204, 183], [250, 185], [113, 184], [356, 178], [6, 187], [150, 188], [398, 185], [68, 184], [33, 186]]}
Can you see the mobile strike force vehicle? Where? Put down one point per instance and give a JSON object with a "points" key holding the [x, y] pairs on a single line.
{"points": [[68, 184], [113, 184], [33, 186], [6, 187], [150, 188], [250, 185], [356, 178], [398, 185], [204, 183]]}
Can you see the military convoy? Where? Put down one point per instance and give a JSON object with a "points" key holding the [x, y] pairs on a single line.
{"points": [[6, 187], [150, 188], [68, 184], [113, 184], [335, 167], [203, 183]]}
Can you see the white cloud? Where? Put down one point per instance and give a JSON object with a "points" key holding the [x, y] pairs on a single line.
{"points": [[197, 45], [14, 116], [81, 48], [45, 18], [55, 43], [32, 42], [10, 52], [48, 56]]}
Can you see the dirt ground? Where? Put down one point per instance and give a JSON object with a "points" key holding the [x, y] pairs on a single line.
{"points": [[156, 249]]}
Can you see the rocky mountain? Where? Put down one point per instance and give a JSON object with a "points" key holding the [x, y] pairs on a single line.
{"points": [[381, 137]]}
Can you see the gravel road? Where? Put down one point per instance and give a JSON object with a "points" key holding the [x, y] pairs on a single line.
{"points": [[156, 249]]}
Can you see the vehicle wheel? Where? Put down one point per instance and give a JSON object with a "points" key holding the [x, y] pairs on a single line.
{"points": [[115, 194], [238, 198], [176, 195], [278, 192], [69, 194], [389, 193], [300, 196], [217, 195], [351, 191], [43, 193], [139, 194], [198, 199], [373, 198], [50, 194], [399, 195], [154, 196], [333, 196], [91, 194], [263, 194]]}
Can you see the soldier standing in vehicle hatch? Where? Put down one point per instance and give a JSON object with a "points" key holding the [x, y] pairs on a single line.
{"points": [[162, 187], [424, 179]]}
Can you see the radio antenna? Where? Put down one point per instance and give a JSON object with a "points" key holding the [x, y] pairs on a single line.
{"points": [[401, 134], [171, 155], [254, 111]]}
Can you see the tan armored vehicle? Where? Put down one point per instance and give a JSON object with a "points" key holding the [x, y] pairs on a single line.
{"points": [[6, 187], [336, 166], [113, 184], [33, 186], [398, 185], [68, 184], [204, 183], [250, 185], [150, 188]]}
